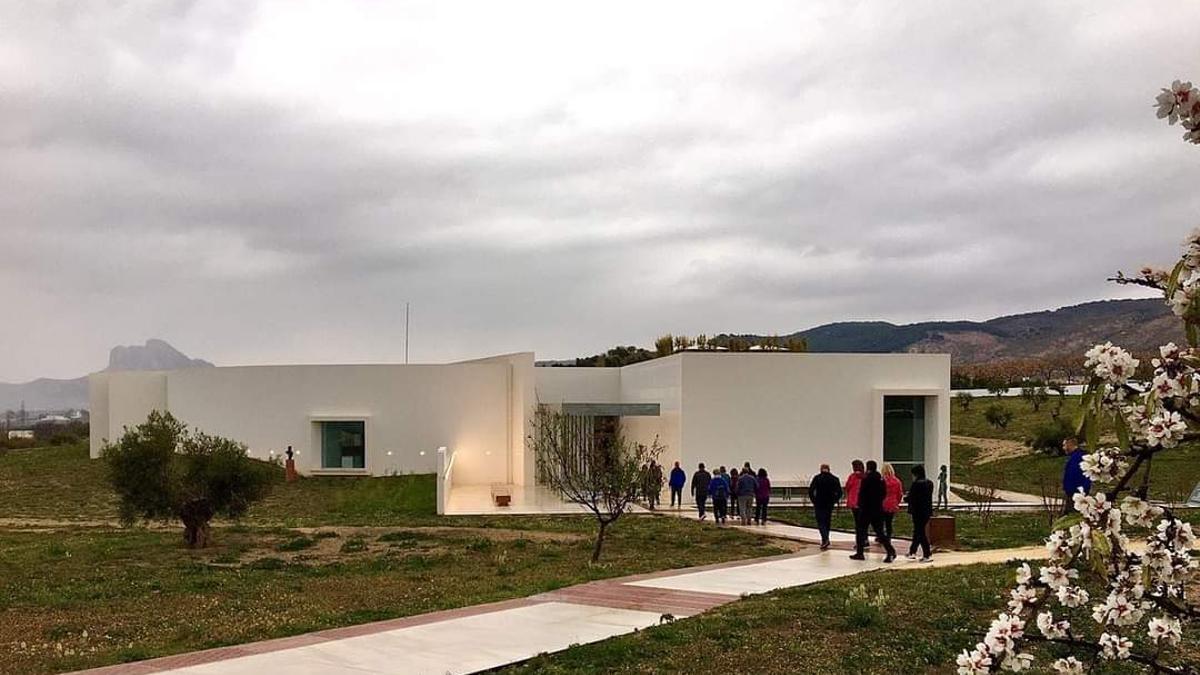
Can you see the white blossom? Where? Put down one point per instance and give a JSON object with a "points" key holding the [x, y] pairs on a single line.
{"points": [[977, 661], [1139, 512], [1003, 633], [1017, 662], [1117, 610], [1165, 428], [1058, 546], [1165, 629], [1024, 574], [1021, 596], [1068, 666], [1072, 596], [1104, 465], [1052, 629], [1176, 102], [1114, 646], [1055, 576], [1110, 363]]}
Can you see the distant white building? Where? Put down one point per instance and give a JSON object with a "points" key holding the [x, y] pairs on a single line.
{"points": [[20, 433], [784, 411]]}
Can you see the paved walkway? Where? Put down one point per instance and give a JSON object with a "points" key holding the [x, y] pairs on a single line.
{"points": [[1023, 498], [809, 535], [488, 636]]}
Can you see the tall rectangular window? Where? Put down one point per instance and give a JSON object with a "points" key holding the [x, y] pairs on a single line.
{"points": [[904, 433], [343, 445]]}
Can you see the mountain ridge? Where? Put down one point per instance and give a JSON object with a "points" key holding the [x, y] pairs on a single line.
{"points": [[46, 393]]}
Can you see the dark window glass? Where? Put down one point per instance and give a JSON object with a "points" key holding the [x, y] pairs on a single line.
{"points": [[904, 430], [343, 445]]}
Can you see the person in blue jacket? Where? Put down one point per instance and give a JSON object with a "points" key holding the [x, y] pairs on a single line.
{"points": [[677, 481], [1073, 479], [718, 490]]}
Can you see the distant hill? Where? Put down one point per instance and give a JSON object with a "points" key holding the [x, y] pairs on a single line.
{"points": [[1139, 325], [51, 394]]}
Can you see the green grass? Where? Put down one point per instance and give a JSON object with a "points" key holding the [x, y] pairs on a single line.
{"points": [[1174, 472], [57, 482], [373, 548], [140, 590], [971, 422], [931, 615]]}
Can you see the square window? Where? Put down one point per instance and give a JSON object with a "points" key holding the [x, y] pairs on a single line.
{"points": [[343, 445], [903, 431]]}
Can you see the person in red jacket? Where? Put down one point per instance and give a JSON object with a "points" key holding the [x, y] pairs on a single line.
{"points": [[894, 492], [852, 483]]}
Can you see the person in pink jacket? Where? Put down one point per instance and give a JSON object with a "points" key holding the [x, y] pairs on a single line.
{"points": [[891, 498]]}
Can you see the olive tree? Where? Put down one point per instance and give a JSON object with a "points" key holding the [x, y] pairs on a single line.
{"points": [[1099, 598], [161, 470], [600, 472]]}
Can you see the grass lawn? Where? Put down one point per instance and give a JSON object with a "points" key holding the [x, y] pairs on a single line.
{"points": [[1174, 472], [971, 422], [930, 616], [319, 553]]}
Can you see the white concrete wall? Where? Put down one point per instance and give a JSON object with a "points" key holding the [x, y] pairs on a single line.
{"points": [[128, 398], [790, 412], [97, 412], [409, 410]]}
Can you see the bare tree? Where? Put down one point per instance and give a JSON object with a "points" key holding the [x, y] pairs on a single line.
{"points": [[601, 473]]}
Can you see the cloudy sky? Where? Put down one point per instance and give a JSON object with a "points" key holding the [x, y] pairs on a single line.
{"points": [[271, 182]]}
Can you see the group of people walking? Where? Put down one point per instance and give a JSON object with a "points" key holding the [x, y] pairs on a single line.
{"points": [[874, 497], [873, 494], [744, 494]]}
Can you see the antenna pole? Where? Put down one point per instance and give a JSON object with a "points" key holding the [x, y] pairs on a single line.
{"points": [[406, 333]]}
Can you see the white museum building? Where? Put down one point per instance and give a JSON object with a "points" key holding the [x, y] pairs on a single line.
{"points": [[468, 421]]}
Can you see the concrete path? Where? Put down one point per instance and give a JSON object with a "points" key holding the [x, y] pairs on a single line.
{"points": [[1022, 498], [808, 535], [488, 636]]}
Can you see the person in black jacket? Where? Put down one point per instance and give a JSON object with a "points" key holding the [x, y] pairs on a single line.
{"points": [[824, 491], [700, 481], [920, 506], [870, 507]]}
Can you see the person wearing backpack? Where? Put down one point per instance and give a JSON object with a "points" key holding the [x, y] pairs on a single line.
{"points": [[718, 489]]}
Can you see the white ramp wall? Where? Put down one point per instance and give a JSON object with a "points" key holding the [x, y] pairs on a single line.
{"points": [[657, 381]]}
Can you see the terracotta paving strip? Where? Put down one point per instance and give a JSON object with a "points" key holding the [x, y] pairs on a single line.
{"points": [[621, 596]]}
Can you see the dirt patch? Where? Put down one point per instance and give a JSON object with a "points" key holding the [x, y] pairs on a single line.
{"points": [[329, 544], [992, 449]]}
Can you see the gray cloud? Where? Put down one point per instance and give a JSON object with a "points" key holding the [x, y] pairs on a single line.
{"points": [[270, 182]]}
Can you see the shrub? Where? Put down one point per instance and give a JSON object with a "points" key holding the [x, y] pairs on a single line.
{"points": [[863, 609], [354, 545], [1048, 438], [964, 398], [997, 416], [161, 471], [296, 544]]}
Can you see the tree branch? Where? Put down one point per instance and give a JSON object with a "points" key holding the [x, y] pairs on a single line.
{"points": [[1150, 662]]}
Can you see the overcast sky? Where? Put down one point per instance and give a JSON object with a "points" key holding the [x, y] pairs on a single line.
{"points": [[271, 182]]}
